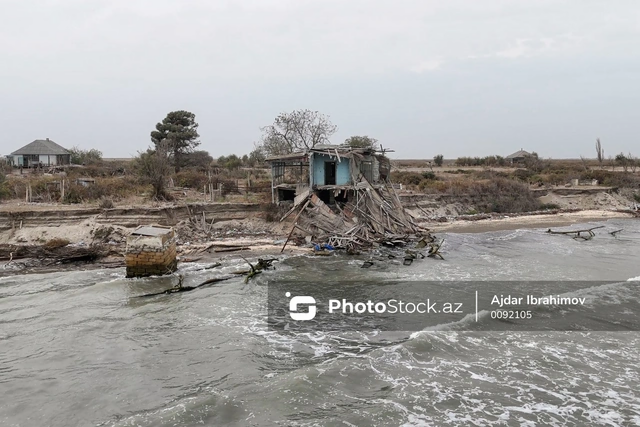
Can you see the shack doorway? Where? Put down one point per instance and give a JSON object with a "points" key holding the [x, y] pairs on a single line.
{"points": [[329, 173]]}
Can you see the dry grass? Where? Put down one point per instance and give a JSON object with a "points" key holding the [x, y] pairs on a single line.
{"points": [[56, 243]]}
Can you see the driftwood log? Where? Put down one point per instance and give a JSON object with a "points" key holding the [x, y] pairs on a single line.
{"points": [[179, 288], [434, 250], [53, 255], [586, 234]]}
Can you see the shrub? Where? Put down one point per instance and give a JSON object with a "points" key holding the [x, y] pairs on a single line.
{"points": [[81, 157], [549, 206], [152, 167], [272, 212], [523, 174], [503, 196], [429, 175], [110, 188], [191, 179], [430, 186], [103, 233], [4, 186], [106, 203], [406, 178], [438, 159]]}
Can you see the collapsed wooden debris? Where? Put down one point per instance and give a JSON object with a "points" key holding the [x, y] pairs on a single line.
{"points": [[373, 215], [341, 198]]}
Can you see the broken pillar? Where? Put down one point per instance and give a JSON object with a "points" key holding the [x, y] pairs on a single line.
{"points": [[151, 251]]}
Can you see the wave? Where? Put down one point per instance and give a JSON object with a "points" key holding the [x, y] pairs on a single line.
{"points": [[468, 319]]}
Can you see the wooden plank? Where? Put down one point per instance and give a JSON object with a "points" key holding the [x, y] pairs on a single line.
{"points": [[294, 226]]}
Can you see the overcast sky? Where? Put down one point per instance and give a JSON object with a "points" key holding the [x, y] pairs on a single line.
{"points": [[422, 76]]}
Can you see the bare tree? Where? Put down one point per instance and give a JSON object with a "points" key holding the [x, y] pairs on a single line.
{"points": [[296, 131], [585, 165], [533, 162], [599, 152], [633, 162], [362, 142], [154, 166]]}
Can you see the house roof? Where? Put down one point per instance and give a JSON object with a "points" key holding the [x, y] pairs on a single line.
{"points": [[41, 146], [328, 149], [291, 156], [518, 154]]}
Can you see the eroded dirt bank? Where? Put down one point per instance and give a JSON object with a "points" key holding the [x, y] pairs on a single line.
{"points": [[214, 229]]}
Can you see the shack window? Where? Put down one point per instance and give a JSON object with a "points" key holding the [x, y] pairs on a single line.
{"points": [[366, 168], [277, 171]]}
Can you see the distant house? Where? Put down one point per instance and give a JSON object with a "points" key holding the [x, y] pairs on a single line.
{"points": [[518, 156], [331, 171], [41, 152]]}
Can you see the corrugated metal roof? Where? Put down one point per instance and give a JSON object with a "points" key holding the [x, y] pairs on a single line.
{"points": [[41, 146]]}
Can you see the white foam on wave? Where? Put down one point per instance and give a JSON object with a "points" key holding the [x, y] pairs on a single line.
{"points": [[469, 318], [634, 279]]}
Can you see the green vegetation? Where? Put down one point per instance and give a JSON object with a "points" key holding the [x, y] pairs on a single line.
{"points": [[481, 161], [4, 186], [153, 166], [230, 162], [362, 142], [85, 157], [438, 159], [179, 131], [549, 206]]}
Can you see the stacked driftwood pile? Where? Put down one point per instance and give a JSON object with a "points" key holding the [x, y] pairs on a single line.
{"points": [[373, 215]]}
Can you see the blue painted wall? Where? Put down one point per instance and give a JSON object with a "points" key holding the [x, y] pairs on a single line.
{"points": [[343, 175]]}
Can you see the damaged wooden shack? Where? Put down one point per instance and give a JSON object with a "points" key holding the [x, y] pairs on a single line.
{"points": [[341, 196]]}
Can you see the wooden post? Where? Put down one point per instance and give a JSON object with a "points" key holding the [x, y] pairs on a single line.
{"points": [[273, 194], [295, 221]]}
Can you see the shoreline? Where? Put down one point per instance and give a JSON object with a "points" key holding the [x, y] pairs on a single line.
{"points": [[270, 243], [561, 219]]}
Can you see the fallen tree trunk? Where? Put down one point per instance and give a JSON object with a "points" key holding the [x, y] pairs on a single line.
{"points": [[63, 254], [179, 288], [578, 234]]}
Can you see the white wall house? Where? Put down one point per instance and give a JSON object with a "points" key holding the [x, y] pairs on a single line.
{"points": [[43, 152]]}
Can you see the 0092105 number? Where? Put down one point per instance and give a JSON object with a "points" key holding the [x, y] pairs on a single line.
{"points": [[511, 314]]}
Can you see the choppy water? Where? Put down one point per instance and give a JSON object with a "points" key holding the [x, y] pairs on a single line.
{"points": [[77, 349]]}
